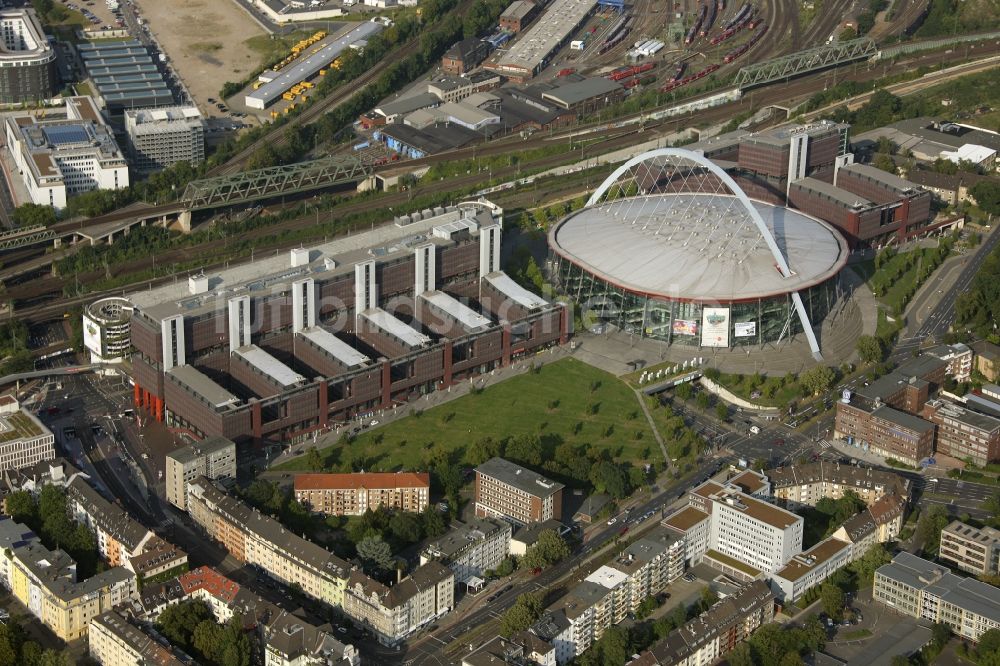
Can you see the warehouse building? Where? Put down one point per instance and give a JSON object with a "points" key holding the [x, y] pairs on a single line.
{"points": [[464, 56], [236, 354], [306, 68], [158, 138], [58, 158], [517, 17], [125, 75], [533, 48], [27, 61]]}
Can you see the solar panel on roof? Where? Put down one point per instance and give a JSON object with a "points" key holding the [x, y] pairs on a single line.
{"points": [[59, 135]]}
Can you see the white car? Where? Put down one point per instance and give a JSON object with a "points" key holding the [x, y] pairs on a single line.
{"points": [[612, 521], [374, 422]]}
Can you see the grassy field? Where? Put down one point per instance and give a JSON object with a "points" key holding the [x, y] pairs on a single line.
{"points": [[272, 47], [567, 399]]}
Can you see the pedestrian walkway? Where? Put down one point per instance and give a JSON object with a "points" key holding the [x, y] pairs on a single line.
{"points": [[641, 397], [731, 397]]}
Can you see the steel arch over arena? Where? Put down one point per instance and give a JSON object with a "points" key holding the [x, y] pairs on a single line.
{"points": [[671, 248]]}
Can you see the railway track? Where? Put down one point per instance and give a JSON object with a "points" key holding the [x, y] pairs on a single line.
{"points": [[41, 299], [277, 136]]}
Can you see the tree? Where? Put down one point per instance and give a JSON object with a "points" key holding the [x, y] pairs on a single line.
{"points": [[21, 507], [703, 401], [721, 410], [434, 523], [611, 478], [525, 611], [314, 460], [31, 215], [929, 527], [900, 660], [179, 621], [707, 598], [832, 598], [870, 349], [987, 196], [741, 656], [406, 527], [525, 449], [818, 379], [884, 162], [376, 554], [550, 548], [876, 556], [684, 391], [940, 634]]}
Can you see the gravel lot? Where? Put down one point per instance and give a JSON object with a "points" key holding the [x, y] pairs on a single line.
{"points": [[205, 40]]}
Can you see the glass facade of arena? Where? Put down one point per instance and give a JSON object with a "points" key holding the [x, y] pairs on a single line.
{"points": [[764, 320]]}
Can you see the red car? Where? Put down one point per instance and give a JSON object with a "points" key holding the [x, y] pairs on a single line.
{"points": [[536, 571]]}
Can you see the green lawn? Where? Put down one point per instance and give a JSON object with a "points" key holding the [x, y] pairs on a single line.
{"points": [[567, 400]]}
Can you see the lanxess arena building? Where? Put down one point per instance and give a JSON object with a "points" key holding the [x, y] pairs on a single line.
{"points": [[671, 248]]}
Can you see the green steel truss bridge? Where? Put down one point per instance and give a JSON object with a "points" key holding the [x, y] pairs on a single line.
{"points": [[273, 181], [809, 60]]}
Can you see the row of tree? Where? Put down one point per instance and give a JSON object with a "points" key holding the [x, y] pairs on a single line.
{"points": [[978, 308]]}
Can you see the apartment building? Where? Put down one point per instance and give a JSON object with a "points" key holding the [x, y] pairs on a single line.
{"points": [[114, 641], [24, 440], [959, 358], [510, 491], [214, 458], [987, 359], [258, 539], [283, 638], [392, 613], [971, 549], [58, 158], [522, 649], [695, 527], [879, 523], [884, 431], [925, 590], [963, 433], [608, 595], [45, 582], [581, 617], [118, 536], [526, 536], [804, 485], [470, 549], [161, 137], [705, 639], [353, 494]]}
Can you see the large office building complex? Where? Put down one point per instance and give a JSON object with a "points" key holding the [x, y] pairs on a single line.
{"points": [[963, 433], [507, 490], [354, 494], [289, 345], [213, 458], [925, 590], [158, 138], [58, 158], [27, 60]]}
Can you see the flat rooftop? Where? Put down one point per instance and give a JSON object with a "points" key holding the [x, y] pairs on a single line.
{"points": [[204, 387], [832, 192], [468, 318], [519, 477], [275, 273], [684, 519], [816, 556], [396, 327], [515, 292], [270, 366], [305, 68], [20, 425], [337, 348], [700, 247], [535, 44]]}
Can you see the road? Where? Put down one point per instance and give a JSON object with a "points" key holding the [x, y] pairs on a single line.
{"points": [[939, 321]]}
